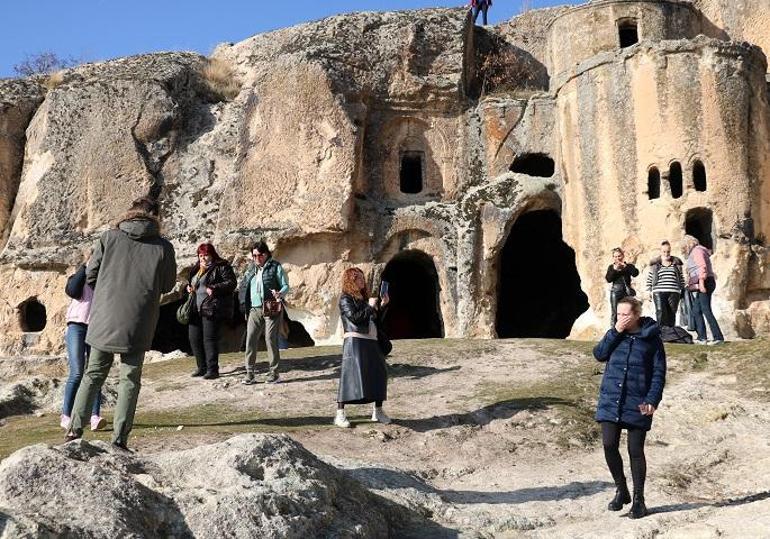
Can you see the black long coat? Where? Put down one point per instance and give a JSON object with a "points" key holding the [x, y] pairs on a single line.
{"points": [[364, 374]]}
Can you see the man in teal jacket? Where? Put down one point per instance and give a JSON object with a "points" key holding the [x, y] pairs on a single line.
{"points": [[264, 278]]}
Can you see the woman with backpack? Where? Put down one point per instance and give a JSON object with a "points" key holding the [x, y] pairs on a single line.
{"points": [[78, 316]]}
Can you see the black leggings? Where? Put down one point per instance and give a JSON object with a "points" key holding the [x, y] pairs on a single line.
{"points": [[611, 441]]}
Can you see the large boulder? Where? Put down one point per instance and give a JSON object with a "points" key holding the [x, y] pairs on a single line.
{"points": [[252, 485]]}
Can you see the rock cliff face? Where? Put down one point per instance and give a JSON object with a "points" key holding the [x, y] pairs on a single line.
{"points": [[484, 172], [248, 486]]}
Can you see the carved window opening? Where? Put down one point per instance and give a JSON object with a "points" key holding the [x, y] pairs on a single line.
{"points": [[534, 164], [675, 180], [412, 172], [653, 183], [699, 176], [628, 33], [699, 223], [32, 315]]}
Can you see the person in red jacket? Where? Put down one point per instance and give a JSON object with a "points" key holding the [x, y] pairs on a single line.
{"points": [[480, 6]]}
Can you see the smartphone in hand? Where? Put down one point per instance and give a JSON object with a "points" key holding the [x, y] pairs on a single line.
{"points": [[383, 289]]}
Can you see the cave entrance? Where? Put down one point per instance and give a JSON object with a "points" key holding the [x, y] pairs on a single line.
{"points": [[539, 292], [699, 222], [414, 311], [32, 315]]}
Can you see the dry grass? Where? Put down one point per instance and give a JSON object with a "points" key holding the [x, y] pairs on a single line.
{"points": [[221, 79], [54, 79]]}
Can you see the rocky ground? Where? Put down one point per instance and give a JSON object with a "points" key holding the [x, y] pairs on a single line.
{"points": [[490, 439]]}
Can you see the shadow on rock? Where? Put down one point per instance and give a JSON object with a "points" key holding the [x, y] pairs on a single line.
{"points": [[390, 479], [730, 502], [483, 416]]}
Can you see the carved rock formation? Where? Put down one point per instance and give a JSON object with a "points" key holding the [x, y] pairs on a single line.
{"points": [[412, 144]]}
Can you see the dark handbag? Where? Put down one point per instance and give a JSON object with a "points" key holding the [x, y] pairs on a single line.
{"points": [[383, 341], [272, 308], [185, 309]]}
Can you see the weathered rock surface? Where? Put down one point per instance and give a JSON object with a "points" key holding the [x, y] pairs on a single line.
{"points": [[412, 143], [248, 486]]}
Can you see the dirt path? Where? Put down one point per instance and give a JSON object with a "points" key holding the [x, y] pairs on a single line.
{"points": [[496, 438]]}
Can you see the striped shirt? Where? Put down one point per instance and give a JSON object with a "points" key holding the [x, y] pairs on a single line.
{"points": [[670, 279]]}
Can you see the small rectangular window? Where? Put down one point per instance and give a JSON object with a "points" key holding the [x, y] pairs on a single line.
{"points": [[411, 172], [628, 33]]}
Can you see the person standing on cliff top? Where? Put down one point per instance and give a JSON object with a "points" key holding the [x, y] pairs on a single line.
{"points": [[480, 6], [131, 266]]}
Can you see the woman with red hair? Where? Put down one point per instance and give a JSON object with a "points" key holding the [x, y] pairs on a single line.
{"points": [[364, 375], [212, 280]]}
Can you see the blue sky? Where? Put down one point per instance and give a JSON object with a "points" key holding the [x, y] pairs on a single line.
{"points": [[101, 29]]}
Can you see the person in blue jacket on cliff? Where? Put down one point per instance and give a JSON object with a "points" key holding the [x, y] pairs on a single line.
{"points": [[631, 390]]}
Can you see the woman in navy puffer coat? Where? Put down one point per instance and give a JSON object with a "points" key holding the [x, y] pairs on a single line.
{"points": [[631, 390]]}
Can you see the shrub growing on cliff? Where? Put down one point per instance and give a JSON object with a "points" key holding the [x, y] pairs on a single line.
{"points": [[44, 63], [221, 79]]}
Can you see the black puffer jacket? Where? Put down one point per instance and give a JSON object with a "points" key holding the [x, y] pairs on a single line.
{"points": [[221, 279], [635, 374]]}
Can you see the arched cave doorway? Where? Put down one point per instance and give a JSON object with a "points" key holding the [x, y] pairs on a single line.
{"points": [[32, 315], [539, 292], [699, 222], [414, 311]]}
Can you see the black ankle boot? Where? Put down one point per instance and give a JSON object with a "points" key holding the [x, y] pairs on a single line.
{"points": [[638, 508], [621, 498], [198, 373]]}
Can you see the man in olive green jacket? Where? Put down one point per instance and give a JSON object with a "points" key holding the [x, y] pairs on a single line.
{"points": [[131, 266]]}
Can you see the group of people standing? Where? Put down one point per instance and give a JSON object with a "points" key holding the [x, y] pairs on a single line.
{"points": [[635, 372], [116, 303], [115, 308], [670, 280]]}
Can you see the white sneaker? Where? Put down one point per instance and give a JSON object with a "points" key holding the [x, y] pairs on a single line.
{"points": [[64, 422], [716, 342], [699, 341], [379, 416], [98, 422], [340, 420]]}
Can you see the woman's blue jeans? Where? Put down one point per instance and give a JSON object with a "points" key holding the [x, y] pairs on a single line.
{"points": [[701, 308], [77, 355]]}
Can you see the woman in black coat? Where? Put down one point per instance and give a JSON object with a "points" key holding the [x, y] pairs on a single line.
{"points": [[364, 375], [631, 390], [619, 275], [213, 281]]}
